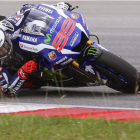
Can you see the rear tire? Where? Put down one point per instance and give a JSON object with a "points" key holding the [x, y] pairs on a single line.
{"points": [[122, 68]]}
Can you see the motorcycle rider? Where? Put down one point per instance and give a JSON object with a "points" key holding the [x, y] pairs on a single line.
{"points": [[11, 83]]}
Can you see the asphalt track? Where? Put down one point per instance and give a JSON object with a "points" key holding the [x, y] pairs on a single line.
{"points": [[117, 26]]}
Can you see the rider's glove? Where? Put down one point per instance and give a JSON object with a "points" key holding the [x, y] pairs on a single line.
{"points": [[26, 69], [63, 5], [29, 66]]}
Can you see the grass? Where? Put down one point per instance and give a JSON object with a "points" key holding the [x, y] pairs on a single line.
{"points": [[43, 128]]}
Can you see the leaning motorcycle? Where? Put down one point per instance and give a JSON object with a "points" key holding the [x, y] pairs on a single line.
{"points": [[59, 42]]}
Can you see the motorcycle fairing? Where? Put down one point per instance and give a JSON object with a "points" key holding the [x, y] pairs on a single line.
{"points": [[59, 28]]}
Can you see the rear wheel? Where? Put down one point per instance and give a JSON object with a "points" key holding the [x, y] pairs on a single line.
{"points": [[120, 74]]}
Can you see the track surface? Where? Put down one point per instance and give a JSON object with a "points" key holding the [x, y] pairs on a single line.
{"points": [[117, 26]]}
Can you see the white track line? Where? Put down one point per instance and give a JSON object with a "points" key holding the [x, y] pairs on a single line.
{"points": [[16, 107]]}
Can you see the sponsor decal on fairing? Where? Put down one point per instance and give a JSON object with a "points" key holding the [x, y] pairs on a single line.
{"points": [[46, 41], [61, 60], [55, 24], [52, 55], [74, 39], [44, 9], [75, 16], [28, 47], [67, 62], [29, 38], [40, 47]]}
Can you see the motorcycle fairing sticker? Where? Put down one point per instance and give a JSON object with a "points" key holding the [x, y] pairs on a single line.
{"points": [[45, 9], [63, 32], [44, 50], [79, 19]]}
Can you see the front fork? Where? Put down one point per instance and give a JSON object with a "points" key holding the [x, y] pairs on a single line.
{"points": [[88, 69]]}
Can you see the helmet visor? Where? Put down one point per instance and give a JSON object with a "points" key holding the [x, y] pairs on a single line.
{"points": [[4, 50]]}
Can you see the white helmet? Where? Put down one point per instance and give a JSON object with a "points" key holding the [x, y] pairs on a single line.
{"points": [[5, 45]]}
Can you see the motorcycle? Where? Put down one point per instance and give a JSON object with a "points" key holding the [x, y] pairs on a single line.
{"points": [[58, 41]]}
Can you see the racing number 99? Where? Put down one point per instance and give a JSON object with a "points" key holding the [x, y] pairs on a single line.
{"points": [[62, 37]]}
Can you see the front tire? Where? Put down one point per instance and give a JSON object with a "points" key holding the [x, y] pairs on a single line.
{"points": [[119, 68]]}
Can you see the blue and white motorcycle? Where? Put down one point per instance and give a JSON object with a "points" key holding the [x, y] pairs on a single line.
{"points": [[59, 41]]}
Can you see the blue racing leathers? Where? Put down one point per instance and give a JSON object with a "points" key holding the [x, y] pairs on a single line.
{"points": [[12, 26]]}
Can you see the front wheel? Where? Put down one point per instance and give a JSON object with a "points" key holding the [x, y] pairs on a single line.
{"points": [[120, 74]]}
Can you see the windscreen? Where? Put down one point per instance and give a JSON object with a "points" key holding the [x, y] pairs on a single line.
{"points": [[37, 22]]}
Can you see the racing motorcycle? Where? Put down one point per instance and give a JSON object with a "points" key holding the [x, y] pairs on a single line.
{"points": [[59, 40]]}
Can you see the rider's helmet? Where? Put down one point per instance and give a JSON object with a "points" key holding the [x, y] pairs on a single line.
{"points": [[5, 46]]}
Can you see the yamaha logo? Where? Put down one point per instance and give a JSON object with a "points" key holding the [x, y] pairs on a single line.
{"points": [[44, 9], [29, 38]]}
